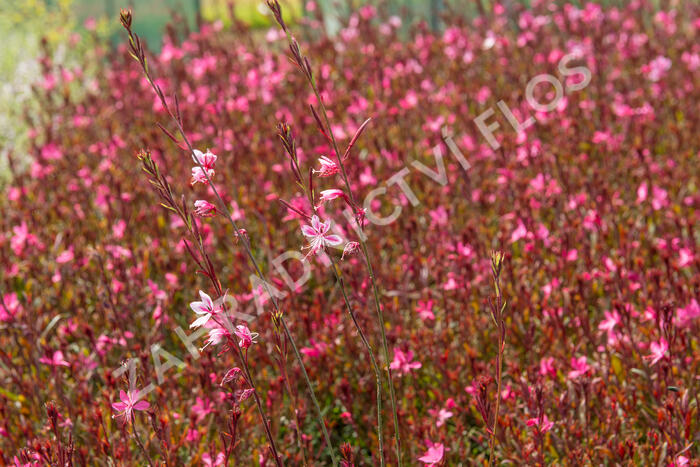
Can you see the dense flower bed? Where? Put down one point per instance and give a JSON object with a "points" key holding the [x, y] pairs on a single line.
{"points": [[594, 206]]}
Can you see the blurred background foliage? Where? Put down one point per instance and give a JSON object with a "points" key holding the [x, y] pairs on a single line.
{"points": [[66, 32]]}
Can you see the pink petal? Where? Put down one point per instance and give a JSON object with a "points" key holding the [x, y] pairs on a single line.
{"points": [[119, 406], [206, 299], [142, 405], [333, 240], [308, 231]]}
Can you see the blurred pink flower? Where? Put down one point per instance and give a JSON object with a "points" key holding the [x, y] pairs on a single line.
{"points": [[402, 362], [425, 310], [65, 256], [547, 367], [519, 233], [433, 455], [685, 257], [315, 350], [658, 350], [544, 426], [657, 68], [440, 416], [208, 461], [201, 408], [55, 360], [580, 367], [684, 316]]}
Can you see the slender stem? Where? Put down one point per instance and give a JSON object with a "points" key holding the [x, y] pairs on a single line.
{"points": [[498, 400], [138, 440], [375, 367], [365, 252], [497, 314], [249, 253]]}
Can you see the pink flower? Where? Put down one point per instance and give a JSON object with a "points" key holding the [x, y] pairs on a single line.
{"points": [[642, 192], [425, 310], [65, 257], [216, 334], [246, 337], [198, 175], [519, 232], [685, 257], [611, 320], [658, 350], [318, 236], [315, 350], [201, 408], [433, 455], [684, 316], [441, 416], [55, 360], [129, 402], [580, 367], [402, 362], [328, 167], [208, 461], [680, 462], [9, 306], [547, 367], [571, 255], [328, 195], [543, 425], [204, 208], [207, 161], [205, 309], [657, 68], [659, 198]]}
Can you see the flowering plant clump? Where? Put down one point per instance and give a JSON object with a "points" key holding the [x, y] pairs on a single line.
{"points": [[393, 245]]}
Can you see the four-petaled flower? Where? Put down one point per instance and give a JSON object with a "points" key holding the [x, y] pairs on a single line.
{"points": [[402, 362], [580, 367], [328, 167], [55, 360], [205, 309], [207, 161], [129, 402], [440, 415], [542, 425], [658, 350], [318, 236]]}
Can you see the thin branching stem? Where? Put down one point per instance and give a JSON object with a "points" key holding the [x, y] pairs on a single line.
{"points": [[176, 119]]}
